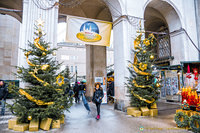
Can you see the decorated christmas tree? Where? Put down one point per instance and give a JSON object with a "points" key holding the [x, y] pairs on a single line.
{"points": [[43, 97], [143, 84]]}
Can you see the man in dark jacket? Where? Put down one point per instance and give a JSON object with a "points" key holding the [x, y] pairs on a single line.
{"points": [[3, 96], [76, 92]]}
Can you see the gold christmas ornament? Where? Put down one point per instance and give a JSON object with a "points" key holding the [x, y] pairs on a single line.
{"points": [[43, 53], [146, 42], [142, 66], [61, 107], [54, 53], [151, 57], [60, 80], [36, 43], [140, 72], [158, 85], [29, 118], [44, 67], [144, 51], [19, 70]]}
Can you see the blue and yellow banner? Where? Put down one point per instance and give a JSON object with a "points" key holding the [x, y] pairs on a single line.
{"points": [[88, 31]]}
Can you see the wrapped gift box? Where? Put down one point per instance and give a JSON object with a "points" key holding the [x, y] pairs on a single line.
{"points": [[136, 113], [62, 120], [34, 125], [179, 110], [153, 112], [56, 124], [131, 109], [12, 123], [154, 106], [145, 111], [45, 124], [21, 127]]}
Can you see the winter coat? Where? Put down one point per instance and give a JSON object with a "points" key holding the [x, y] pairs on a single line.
{"points": [[98, 96], [76, 90], [3, 92]]}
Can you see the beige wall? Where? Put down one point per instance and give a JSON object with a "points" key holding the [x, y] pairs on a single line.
{"points": [[9, 41]]}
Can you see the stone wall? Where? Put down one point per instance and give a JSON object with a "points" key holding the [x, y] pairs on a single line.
{"points": [[9, 41]]}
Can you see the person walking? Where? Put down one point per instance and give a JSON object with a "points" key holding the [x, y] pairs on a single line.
{"points": [[97, 98], [76, 92], [3, 96]]}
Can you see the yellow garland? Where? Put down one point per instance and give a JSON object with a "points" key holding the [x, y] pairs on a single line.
{"points": [[140, 72], [141, 86], [38, 102], [38, 79], [57, 80], [135, 58], [38, 45], [27, 60], [139, 97]]}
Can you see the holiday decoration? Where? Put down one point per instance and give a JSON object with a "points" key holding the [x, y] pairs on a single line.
{"points": [[185, 105], [195, 70], [34, 125], [39, 102], [188, 74], [142, 66], [29, 118], [195, 123], [54, 53], [151, 57], [12, 123], [198, 107], [62, 120], [60, 80], [21, 127], [144, 51], [181, 119], [19, 71], [56, 124], [158, 85], [153, 112], [136, 113], [145, 111]]}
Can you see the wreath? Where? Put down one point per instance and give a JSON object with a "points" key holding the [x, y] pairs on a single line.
{"points": [[193, 123], [183, 123]]}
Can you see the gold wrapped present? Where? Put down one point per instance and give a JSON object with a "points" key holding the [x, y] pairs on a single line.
{"points": [[179, 110], [62, 120], [154, 106], [136, 113], [56, 124], [145, 111], [131, 109], [187, 112], [34, 125], [153, 112], [45, 124], [21, 127], [12, 123]]}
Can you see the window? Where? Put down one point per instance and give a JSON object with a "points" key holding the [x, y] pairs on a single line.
{"points": [[71, 68], [64, 57], [75, 68]]}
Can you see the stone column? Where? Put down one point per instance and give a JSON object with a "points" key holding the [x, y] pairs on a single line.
{"points": [[95, 66], [124, 34], [31, 12]]}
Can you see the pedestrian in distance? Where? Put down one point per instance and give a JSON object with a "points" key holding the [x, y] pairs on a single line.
{"points": [[97, 98], [3, 95], [76, 92]]}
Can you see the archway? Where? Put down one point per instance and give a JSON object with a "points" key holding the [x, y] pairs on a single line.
{"points": [[161, 16], [95, 55]]}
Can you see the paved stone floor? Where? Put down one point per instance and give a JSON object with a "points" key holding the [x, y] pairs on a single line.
{"points": [[112, 121]]}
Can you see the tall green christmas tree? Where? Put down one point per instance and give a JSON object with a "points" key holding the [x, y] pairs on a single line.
{"points": [[43, 97], [142, 83]]}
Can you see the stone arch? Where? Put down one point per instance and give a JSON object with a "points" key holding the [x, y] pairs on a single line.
{"points": [[164, 16]]}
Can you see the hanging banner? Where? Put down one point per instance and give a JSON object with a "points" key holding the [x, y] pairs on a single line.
{"points": [[88, 31]]}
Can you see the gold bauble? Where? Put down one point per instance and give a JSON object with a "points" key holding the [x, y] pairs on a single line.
{"points": [[29, 118], [44, 67], [19, 70], [43, 53], [158, 85], [144, 51], [54, 53], [151, 57], [61, 107]]}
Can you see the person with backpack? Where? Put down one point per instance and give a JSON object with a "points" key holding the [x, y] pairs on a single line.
{"points": [[97, 98], [3, 95]]}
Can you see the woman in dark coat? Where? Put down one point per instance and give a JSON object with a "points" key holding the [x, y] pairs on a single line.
{"points": [[97, 98]]}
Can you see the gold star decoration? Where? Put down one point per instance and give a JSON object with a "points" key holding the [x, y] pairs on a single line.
{"points": [[40, 22], [60, 80], [146, 42], [35, 70], [142, 66]]}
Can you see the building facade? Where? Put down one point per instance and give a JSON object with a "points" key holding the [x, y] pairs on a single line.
{"points": [[178, 20]]}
